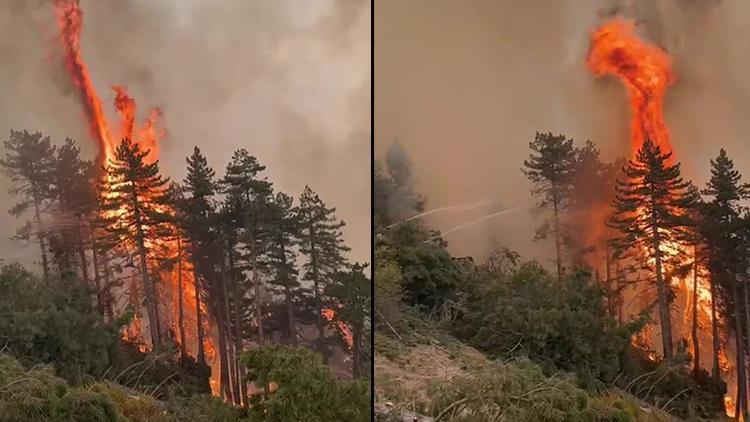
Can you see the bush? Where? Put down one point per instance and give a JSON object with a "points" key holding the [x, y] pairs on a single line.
{"points": [[561, 325], [294, 385], [37, 395], [519, 391], [54, 323], [429, 275]]}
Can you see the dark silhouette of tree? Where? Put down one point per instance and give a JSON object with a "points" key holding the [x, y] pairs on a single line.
{"points": [[350, 294], [550, 169], [322, 244], [722, 229], [29, 163], [284, 236]]}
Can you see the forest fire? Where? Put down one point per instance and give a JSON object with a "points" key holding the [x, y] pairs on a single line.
{"points": [[179, 283], [646, 72], [343, 329]]}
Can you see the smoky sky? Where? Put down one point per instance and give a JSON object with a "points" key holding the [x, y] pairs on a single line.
{"points": [[464, 86], [287, 80]]}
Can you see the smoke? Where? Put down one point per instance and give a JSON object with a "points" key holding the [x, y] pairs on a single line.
{"points": [[465, 86], [287, 80]]}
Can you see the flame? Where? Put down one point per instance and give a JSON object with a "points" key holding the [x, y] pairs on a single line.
{"points": [[646, 71], [147, 135], [330, 315]]}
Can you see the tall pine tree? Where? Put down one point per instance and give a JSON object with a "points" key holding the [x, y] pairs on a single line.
{"points": [[550, 168], [322, 244], [651, 213], [284, 236], [135, 198], [726, 261], [29, 163]]}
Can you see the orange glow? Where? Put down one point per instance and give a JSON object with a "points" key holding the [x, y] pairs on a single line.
{"points": [[644, 69], [340, 326], [70, 23]]}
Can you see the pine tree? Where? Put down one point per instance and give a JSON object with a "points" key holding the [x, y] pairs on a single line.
{"points": [[321, 242], [29, 163], [550, 169], [136, 197], [197, 208], [650, 212], [403, 201], [248, 196], [74, 203], [726, 261], [284, 233], [350, 292]]}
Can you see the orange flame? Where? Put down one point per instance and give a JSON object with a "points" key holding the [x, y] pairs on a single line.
{"points": [[644, 69], [341, 327], [70, 22]]}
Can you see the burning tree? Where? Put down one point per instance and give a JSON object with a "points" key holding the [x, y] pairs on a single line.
{"points": [[727, 261], [650, 212], [134, 203]]}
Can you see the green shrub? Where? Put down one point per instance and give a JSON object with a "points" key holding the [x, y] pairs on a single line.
{"points": [[300, 388], [561, 325], [37, 395]]}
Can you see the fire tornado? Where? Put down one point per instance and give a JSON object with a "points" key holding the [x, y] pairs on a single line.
{"points": [[644, 69]]}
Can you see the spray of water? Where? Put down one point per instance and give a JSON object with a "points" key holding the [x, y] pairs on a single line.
{"points": [[478, 220], [441, 209]]}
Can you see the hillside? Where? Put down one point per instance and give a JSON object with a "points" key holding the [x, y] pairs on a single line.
{"points": [[424, 372]]}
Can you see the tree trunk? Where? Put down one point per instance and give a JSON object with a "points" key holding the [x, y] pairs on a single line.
{"points": [[152, 319], [100, 297], [694, 333], [664, 317], [290, 315], [741, 380], [40, 237], [747, 324], [558, 253], [82, 257], [256, 288], [237, 326], [230, 334], [225, 387], [201, 358], [618, 293], [180, 306], [715, 333], [356, 355], [288, 298], [611, 305], [109, 299], [318, 300]]}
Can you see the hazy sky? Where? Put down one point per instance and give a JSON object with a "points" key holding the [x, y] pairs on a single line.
{"points": [[465, 84], [287, 80]]}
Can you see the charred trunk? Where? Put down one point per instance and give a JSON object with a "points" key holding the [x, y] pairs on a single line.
{"points": [[41, 238], [741, 379], [201, 358], [180, 302], [661, 287], [694, 332], [716, 340]]}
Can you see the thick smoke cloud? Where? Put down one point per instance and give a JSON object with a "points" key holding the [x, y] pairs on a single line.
{"points": [[287, 80], [464, 86]]}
